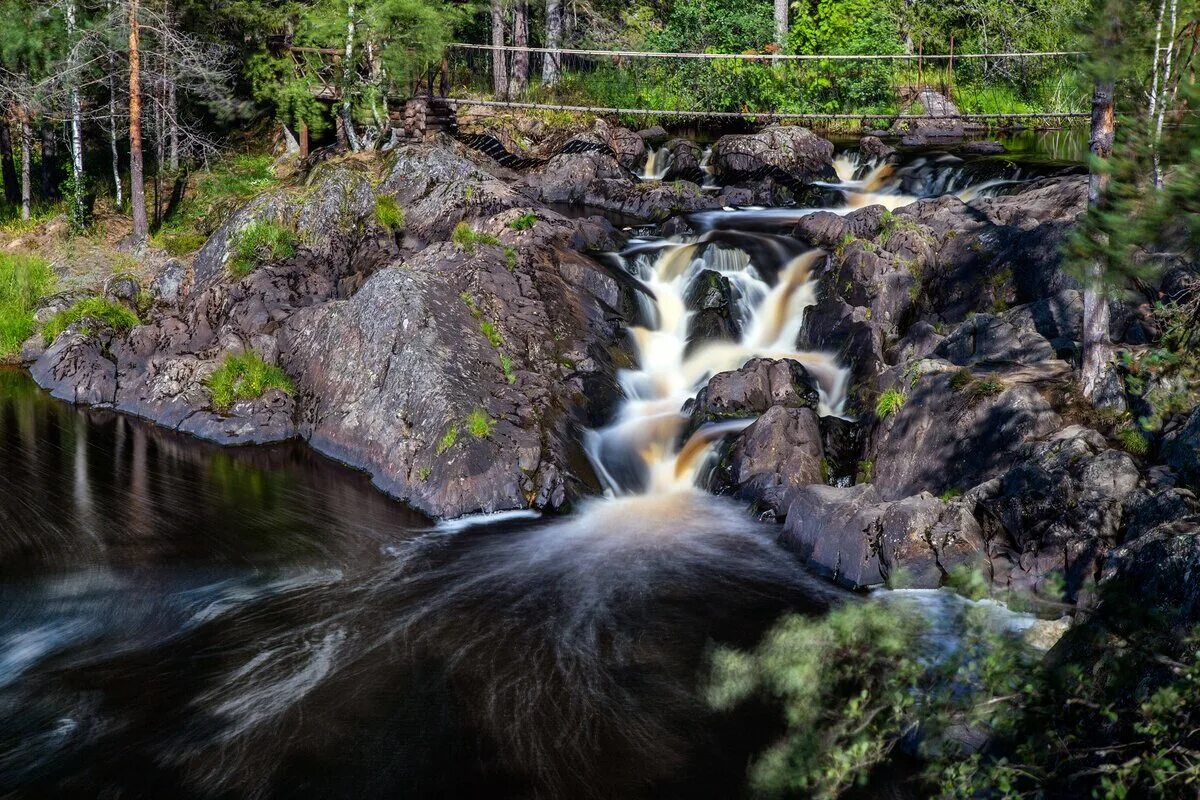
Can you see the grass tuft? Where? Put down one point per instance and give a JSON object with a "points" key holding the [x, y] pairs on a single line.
{"points": [[889, 403], [260, 243], [1133, 441], [465, 238], [112, 315], [524, 222], [448, 440], [389, 214], [245, 376], [24, 281], [479, 424]]}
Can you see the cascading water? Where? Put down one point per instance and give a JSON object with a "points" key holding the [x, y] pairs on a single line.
{"points": [[657, 164]]}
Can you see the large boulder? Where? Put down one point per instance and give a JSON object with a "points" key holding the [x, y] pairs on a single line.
{"points": [[1160, 573], [710, 297], [797, 152], [772, 459], [858, 539], [1181, 451], [956, 430], [751, 390]]}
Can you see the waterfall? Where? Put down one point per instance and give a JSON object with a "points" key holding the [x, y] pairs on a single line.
{"points": [[657, 164]]}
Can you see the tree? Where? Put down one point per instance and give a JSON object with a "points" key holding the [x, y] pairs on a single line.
{"points": [[499, 63], [552, 64], [79, 210], [781, 23], [520, 60], [137, 183]]}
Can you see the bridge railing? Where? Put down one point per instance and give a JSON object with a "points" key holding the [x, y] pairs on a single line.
{"points": [[1045, 89]]}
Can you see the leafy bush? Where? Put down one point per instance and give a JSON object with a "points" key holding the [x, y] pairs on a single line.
{"points": [[103, 310], [245, 376], [479, 424], [889, 403], [389, 214], [260, 242], [24, 281]]}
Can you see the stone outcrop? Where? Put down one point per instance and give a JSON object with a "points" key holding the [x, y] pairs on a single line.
{"points": [[795, 151]]}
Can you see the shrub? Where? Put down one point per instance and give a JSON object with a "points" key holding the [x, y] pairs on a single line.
{"points": [[889, 403], [259, 243], [245, 376], [1134, 441], [24, 281], [479, 424], [389, 214], [524, 222], [961, 379], [112, 315], [465, 238]]}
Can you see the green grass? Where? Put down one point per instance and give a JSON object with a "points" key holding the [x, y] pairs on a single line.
{"points": [[178, 242], [448, 440], [389, 214], [506, 366], [218, 193], [524, 222], [423, 473], [466, 238], [889, 403], [24, 281], [479, 424], [961, 379], [985, 387], [492, 333], [110, 314], [260, 242], [40, 213], [245, 376]]}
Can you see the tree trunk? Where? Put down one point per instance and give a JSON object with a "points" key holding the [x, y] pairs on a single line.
{"points": [[112, 123], [26, 159], [348, 81], [781, 23], [1095, 305], [499, 63], [78, 200], [520, 59], [1162, 101], [552, 65], [12, 189], [49, 157], [137, 189], [173, 124]]}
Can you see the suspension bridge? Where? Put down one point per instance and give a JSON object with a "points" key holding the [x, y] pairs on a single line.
{"points": [[835, 93]]}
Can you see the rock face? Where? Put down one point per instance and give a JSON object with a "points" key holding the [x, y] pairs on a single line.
{"points": [[858, 539], [798, 152], [392, 342], [1181, 451], [710, 297]]}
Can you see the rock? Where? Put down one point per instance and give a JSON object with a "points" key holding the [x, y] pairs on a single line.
{"points": [[76, 368], [1146, 510], [859, 540], [710, 296], [1181, 451], [1057, 513], [748, 392], [49, 306], [984, 338], [655, 135], [270, 418], [874, 149], [1159, 573], [629, 146], [421, 397], [953, 433], [796, 151], [942, 119], [982, 148], [766, 463], [921, 341], [685, 161], [170, 286], [123, 289], [842, 442]]}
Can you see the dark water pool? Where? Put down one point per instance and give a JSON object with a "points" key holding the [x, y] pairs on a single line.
{"points": [[178, 620]]}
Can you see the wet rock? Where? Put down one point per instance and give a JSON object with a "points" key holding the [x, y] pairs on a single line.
{"points": [[796, 151], [874, 149], [955, 431], [842, 441], [858, 539], [748, 392], [770, 460], [685, 160], [1181, 451], [710, 296], [941, 120], [1055, 515], [655, 135]]}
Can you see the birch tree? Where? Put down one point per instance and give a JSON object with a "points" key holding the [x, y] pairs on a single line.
{"points": [[499, 62], [552, 64], [137, 183]]}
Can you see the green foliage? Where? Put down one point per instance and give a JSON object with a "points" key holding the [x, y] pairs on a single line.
{"points": [[423, 473], [244, 376], [1166, 376], [448, 440], [984, 388], [179, 244], [388, 213], [961, 380], [949, 495], [506, 366], [218, 193], [465, 238], [260, 242], [492, 334], [24, 281], [479, 424], [889, 403], [100, 309], [866, 471], [524, 222], [969, 582], [1133, 440]]}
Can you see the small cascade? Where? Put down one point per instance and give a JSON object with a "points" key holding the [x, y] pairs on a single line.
{"points": [[868, 182], [657, 164], [710, 172]]}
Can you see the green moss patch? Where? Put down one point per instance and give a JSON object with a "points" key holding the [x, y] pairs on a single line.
{"points": [[245, 376]]}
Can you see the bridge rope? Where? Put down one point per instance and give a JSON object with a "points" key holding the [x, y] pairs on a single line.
{"points": [[765, 57]]}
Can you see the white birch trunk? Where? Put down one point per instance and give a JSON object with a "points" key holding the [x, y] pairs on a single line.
{"points": [[347, 81], [552, 65]]}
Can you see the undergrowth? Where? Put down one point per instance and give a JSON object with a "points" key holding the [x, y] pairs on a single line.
{"points": [[245, 376], [24, 281], [108, 313]]}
